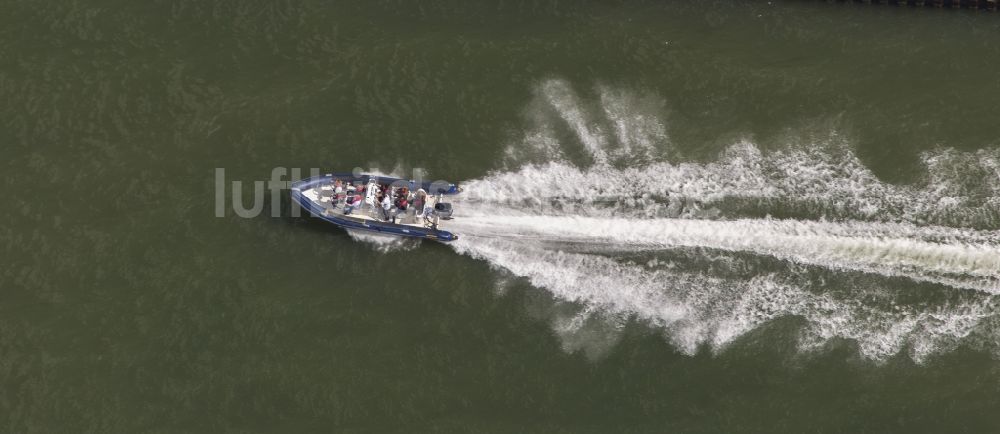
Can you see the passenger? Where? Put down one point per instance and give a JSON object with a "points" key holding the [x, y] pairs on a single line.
{"points": [[386, 208], [419, 201], [352, 201], [429, 215], [338, 191]]}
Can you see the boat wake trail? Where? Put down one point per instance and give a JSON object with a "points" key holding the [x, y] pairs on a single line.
{"points": [[957, 258], [709, 251], [382, 243]]}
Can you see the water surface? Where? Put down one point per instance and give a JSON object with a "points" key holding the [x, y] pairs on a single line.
{"points": [[631, 150]]}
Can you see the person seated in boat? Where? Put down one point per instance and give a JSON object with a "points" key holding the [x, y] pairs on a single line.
{"points": [[418, 202], [353, 201], [428, 214], [338, 192], [386, 208]]}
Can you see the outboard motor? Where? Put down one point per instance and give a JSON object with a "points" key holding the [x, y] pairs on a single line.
{"points": [[443, 210]]}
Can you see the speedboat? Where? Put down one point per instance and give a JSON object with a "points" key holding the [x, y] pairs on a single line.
{"points": [[381, 204]]}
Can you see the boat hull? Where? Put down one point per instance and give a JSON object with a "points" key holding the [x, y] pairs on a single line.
{"points": [[347, 222]]}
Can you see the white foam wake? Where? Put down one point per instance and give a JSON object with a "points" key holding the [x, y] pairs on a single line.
{"points": [[624, 133], [955, 257], [892, 267], [818, 182], [695, 308], [381, 242]]}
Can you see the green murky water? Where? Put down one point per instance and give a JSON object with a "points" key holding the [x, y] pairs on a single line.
{"points": [[126, 305]]}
